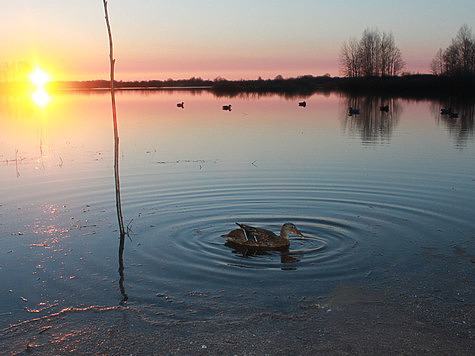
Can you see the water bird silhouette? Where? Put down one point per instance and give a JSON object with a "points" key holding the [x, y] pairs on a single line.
{"points": [[384, 108], [449, 112], [256, 237], [303, 104], [227, 107], [352, 111], [180, 105]]}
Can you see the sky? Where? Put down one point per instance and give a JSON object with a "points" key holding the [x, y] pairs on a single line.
{"points": [[161, 39]]}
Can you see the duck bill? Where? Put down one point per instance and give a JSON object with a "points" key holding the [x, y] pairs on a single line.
{"points": [[299, 233]]}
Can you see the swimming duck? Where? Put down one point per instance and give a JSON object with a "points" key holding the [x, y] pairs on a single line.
{"points": [[256, 237], [353, 111]]}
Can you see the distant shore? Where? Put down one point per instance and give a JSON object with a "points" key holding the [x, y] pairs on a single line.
{"points": [[415, 85]]}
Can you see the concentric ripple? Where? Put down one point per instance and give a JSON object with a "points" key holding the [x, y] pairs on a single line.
{"points": [[350, 230]]}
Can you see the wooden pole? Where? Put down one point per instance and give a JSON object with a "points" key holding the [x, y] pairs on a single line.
{"points": [[116, 130], [116, 160]]}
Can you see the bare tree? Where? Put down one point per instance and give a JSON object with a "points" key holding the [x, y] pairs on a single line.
{"points": [[451, 59], [465, 44], [397, 64], [437, 64], [459, 57], [369, 52], [374, 54], [349, 59]]}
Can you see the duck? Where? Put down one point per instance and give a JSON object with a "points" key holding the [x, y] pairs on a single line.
{"points": [[227, 107], [353, 111], [303, 103], [255, 237], [180, 105], [384, 108]]}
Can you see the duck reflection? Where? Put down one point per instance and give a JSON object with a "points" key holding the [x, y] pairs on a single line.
{"points": [[373, 118], [458, 118], [286, 257]]}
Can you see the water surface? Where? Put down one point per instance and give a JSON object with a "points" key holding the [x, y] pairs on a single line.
{"points": [[388, 194]]}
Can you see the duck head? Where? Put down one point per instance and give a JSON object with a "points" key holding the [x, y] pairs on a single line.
{"points": [[289, 228]]}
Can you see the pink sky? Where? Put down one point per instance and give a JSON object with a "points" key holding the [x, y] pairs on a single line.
{"points": [[234, 40]]}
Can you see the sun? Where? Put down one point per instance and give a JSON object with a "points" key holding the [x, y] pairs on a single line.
{"points": [[39, 77]]}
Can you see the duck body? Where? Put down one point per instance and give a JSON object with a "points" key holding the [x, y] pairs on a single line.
{"points": [[255, 237], [352, 111]]}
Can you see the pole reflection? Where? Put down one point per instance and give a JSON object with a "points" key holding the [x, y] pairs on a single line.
{"points": [[125, 297]]}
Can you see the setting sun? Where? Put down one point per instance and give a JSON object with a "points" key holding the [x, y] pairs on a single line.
{"points": [[39, 77]]}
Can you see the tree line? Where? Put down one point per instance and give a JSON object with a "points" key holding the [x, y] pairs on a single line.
{"points": [[376, 54]]}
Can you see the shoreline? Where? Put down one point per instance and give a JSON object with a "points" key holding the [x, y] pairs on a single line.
{"points": [[353, 319], [410, 86]]}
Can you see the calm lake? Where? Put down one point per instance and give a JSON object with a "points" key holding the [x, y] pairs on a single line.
{"points": [[383, 199]]}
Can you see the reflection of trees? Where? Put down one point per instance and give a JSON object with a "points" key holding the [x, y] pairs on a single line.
{"points": [[264, 94], [460, 126], [373, 124]]}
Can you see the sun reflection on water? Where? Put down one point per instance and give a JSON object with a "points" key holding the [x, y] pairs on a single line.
{"points": [[41, 97]]}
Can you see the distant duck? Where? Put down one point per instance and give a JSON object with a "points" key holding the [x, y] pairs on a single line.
{"points": [[227, 107], [384, 108], [303, 104], [180, 105], [445, 111], [352, 111], [255, 237]]}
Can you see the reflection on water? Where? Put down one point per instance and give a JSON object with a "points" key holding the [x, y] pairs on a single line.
{"points": [[41, 97], [458, 117], [187, 174], [121, 269], [286, 257], [375, 119]]}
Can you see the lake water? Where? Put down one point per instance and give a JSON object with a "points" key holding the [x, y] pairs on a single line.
{"points": [[390, 196]]}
